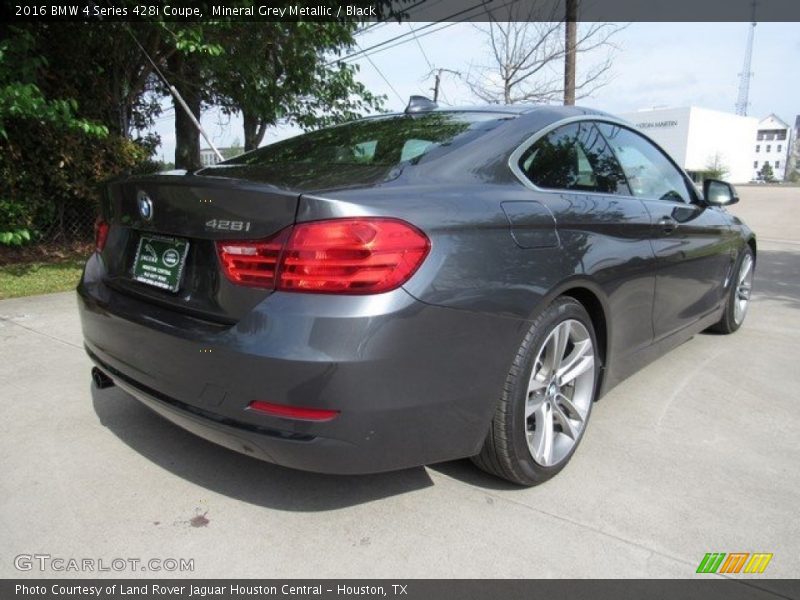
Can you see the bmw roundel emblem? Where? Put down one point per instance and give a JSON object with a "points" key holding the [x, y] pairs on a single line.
{"points": [[145, 206]]}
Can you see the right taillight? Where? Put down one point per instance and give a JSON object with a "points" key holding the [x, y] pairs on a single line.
{"points": [[336, 256]]}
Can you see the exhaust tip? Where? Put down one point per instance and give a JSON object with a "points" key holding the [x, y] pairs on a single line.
{"points": [[101, 380]]}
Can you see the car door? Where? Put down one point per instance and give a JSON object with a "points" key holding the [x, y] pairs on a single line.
{"points": [[603, 230], [692, 242]]}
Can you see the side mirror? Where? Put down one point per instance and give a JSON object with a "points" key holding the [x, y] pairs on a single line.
{"points": [[719, 193]]}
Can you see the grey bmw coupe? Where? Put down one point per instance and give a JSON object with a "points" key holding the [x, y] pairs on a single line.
{"points": [[410, 288]]}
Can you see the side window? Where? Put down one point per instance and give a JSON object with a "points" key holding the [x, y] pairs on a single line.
{"points": [[414, 148], [574, 157], [364, 152], [650, 174]]}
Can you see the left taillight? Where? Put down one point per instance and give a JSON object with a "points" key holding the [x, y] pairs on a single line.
{"points": [[362, 255], [252, 263], [101, 228]]}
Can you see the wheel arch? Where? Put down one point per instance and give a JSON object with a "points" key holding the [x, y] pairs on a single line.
{"points": [[751, 241], [592, 298]]}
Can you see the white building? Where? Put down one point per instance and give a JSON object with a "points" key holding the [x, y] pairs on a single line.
{"points": [[773, 145], [208, 157], [698, 137]]}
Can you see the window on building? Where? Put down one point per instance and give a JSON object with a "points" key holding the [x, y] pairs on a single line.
{"points": [[779, 147], [777, 164], [755, 164], [781, 135], [758, 147], [769, 148], [760, 136], [770, 136]]}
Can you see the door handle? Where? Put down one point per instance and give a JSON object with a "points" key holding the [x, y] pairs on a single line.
{"points": [[668, 224]]}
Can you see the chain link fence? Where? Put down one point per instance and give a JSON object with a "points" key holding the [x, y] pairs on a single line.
{"points": [[73, 223]]}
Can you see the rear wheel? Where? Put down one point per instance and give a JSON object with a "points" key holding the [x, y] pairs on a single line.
{"points": [[547, 398], [739, 295]]}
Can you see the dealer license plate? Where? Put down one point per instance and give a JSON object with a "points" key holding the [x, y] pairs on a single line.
{"points": [[159, 261]]}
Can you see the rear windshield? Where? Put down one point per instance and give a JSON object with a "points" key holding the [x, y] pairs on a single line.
{"points": [[377, 142]]}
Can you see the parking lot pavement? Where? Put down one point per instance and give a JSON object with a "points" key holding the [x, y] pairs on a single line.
{"points": [[697, 453]]}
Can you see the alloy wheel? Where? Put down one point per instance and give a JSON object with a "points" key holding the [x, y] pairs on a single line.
{"points": [[744, 285], [560, 392]]}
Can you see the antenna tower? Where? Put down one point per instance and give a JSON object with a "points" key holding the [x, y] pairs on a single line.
{"points": [[744, 77]]}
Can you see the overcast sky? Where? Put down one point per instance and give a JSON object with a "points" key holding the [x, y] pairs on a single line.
{"points": [[656, 65]]}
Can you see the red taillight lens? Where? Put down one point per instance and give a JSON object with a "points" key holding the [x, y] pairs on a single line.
{"points": [[252, 263], [101, 228], [337, 256], [294, 412], [352, 256]]}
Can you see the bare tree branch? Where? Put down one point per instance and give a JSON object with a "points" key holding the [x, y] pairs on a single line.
{"points": [[527, 51]]}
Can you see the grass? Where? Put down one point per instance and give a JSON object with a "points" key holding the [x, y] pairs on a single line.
{"points": [[31, 278]]}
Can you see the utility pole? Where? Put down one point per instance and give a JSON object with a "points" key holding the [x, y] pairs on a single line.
{"points": [[570, 41], [438, 80], [743, 99]]}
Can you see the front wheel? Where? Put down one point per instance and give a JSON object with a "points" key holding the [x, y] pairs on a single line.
{"points": [[547, 400], [738, 300]]}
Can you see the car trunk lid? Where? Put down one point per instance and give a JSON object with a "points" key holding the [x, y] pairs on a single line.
{"points": [[170, 224]]}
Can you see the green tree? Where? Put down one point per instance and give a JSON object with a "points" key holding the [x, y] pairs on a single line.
{"points": [[29, 117], [21, 95], [76, 97], [58, 135], [716, 167], [271, 72], [101, 67], [235, 149], [766, 173]]}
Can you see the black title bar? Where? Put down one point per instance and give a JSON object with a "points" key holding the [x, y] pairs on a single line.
{"points": [[405, 10], [750, 588]]}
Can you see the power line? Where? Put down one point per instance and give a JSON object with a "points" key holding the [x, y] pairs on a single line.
{"points": [[382, 46], [402, 42], [361, 51], [394, 39], [390, 17], [395, 45], [421, 49], [391, 87], [420, 35]]}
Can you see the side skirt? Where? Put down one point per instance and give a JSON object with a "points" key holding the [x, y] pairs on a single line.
{"points": [[620, 369]]}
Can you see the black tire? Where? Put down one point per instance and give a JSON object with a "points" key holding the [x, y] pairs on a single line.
{"points": [[505, 451], [727, 324]]}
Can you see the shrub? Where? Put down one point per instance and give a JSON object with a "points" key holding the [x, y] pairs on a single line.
{"points": [[50, 177]]}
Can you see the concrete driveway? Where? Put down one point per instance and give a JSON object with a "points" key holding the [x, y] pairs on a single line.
{"points": [[697, 453]]}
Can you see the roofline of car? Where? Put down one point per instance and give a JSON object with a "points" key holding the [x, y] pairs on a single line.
{"points": [[464, 109], [513, 159]]}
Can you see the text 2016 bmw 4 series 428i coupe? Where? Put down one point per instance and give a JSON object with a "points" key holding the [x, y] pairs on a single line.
{"points": [[410, 288]]}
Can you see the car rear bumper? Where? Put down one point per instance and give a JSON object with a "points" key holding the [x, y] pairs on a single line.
{"points": [[415, 384], [299, 451]]}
